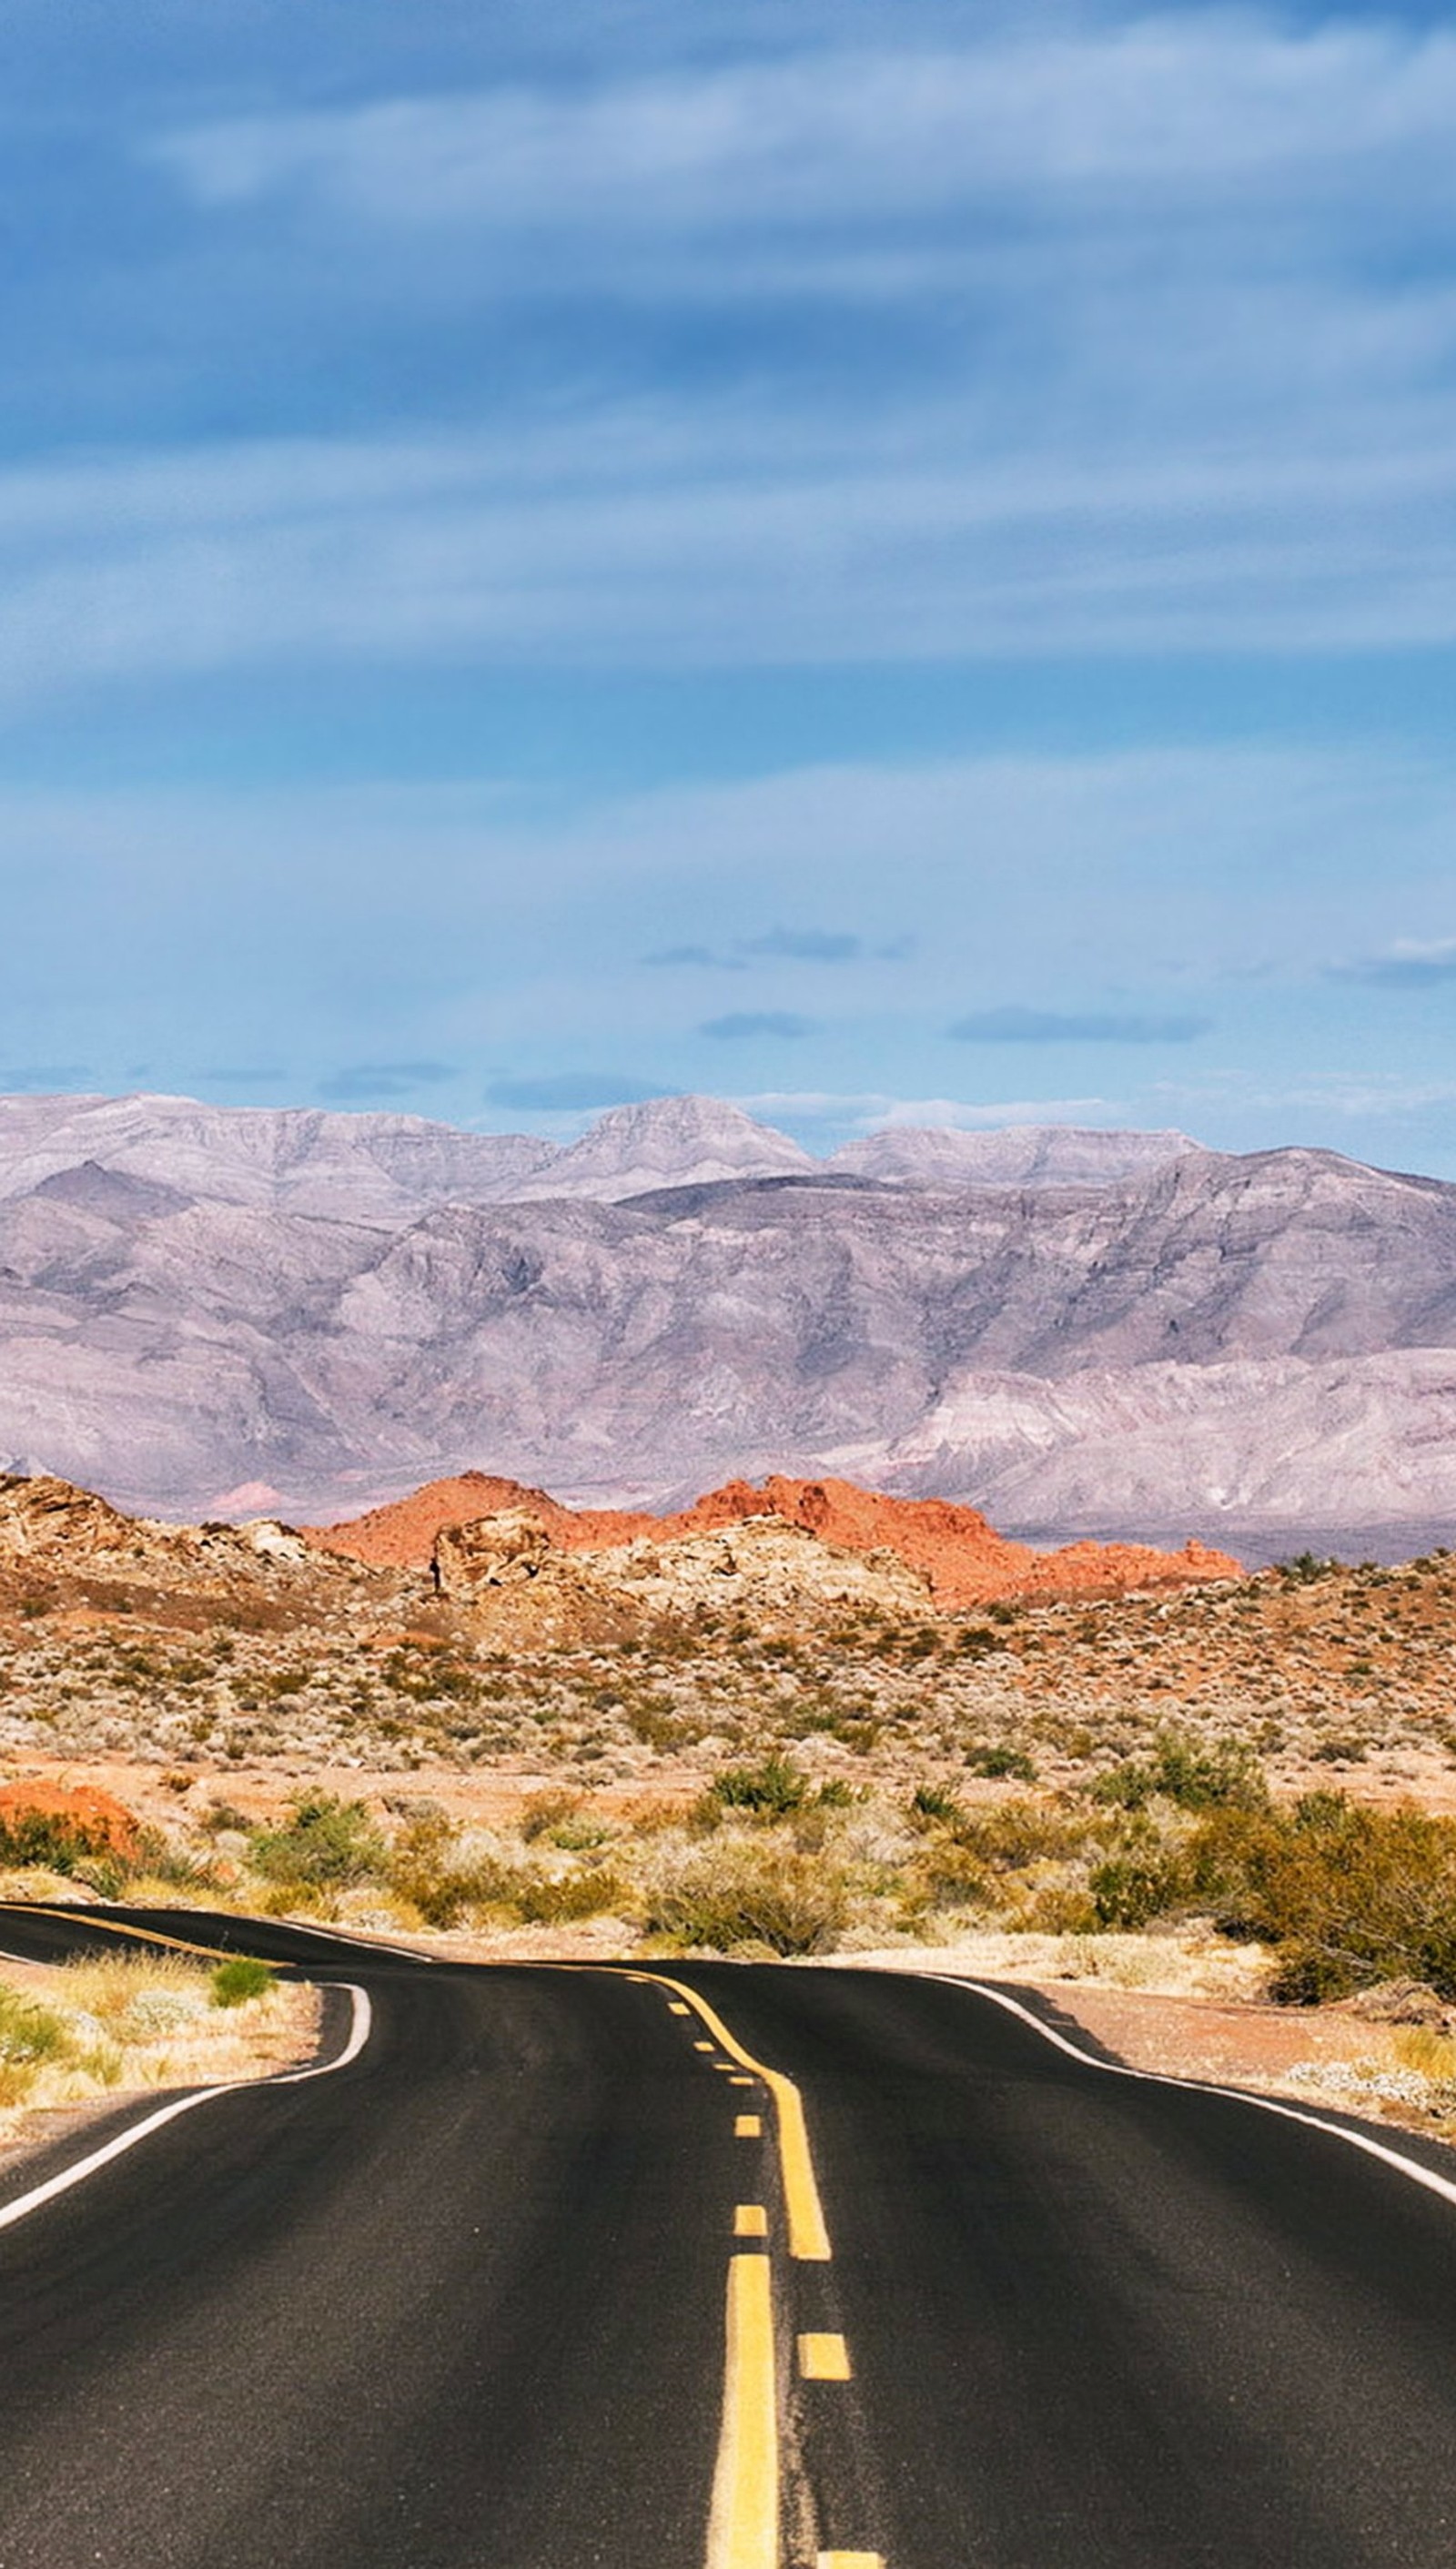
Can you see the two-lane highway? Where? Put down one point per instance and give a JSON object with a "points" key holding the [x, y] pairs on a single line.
{"points": [[744, 2266]]}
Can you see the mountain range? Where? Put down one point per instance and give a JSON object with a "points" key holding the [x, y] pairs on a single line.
{"points": [[213, 1310]]}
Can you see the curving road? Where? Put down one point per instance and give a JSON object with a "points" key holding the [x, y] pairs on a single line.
{"points": [[536, 2280]]}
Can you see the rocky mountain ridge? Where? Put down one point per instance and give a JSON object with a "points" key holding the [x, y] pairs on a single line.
{"points": [[376, 1167], [289, 1319]]}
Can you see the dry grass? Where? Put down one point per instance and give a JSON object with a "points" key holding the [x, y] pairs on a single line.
{"points": [[79, 2031]]}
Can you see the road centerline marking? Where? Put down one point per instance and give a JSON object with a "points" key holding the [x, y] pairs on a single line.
{"points": [[807, 2230], [743, 2529], [750, 2221], [748, 2127], [824, 2356]]}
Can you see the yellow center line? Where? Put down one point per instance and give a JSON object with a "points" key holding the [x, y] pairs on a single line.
{"points": [[750, 2221], [807, 2230], [117, 1926], [748, 2127], [743, 2531], [824, 2357], [850, 2560]]}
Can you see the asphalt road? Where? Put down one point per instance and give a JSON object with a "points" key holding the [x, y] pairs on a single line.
{"points": [[462, 2302]]}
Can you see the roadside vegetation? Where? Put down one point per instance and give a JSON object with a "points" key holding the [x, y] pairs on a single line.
{"points": [[90, 2031], [1184, 1839]]}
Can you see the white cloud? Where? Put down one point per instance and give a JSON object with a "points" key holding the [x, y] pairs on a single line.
{"points": [[1177, 377], [1172, 102], [680, 537], [879, 1114]]}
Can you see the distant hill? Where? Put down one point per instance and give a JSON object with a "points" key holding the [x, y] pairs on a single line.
{"points": [[1074, 1331]]}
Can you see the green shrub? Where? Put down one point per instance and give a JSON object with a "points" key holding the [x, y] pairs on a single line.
{"points": [[1225, 1776], [737, 1894], [240, 1978], [1131, 1890], [947, 1875], [53, 1839], [1349, 1895], [997, 1762], [1010, 1835], [771, 1791], [325, 1843], [30, 2035], [934, 1803], [588, 1893]]}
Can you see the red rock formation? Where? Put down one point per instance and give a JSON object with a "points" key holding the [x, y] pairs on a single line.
{"points": [[80, 1812], [967, 1562]]}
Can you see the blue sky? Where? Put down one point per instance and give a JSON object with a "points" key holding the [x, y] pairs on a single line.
{"points": [[885, 561]]}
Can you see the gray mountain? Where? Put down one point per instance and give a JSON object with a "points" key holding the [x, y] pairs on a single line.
{"points": [[362, 1167], [1021, 1155], [669, 1142], [191, 1300]]}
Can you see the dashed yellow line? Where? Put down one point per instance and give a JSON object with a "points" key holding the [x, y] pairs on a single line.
{"points": [[748, 2127], [851, 2560], [807, 2230], [750, 2221], [743, 2531], [824, 2356]]}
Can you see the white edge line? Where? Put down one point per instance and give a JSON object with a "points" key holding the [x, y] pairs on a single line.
{"points": [[1412, 2168], [359, 2030]]}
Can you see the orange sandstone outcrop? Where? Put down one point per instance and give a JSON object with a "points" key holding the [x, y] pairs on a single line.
{"points": [[965, 1560], [86, 1816]]}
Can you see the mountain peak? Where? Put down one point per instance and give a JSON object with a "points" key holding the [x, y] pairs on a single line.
{"points": [[669, 1142]]}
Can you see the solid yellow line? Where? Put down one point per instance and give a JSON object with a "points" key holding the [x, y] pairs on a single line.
{"points": [[743, 2531], [748, 2127], [808, 2231], [824, 2357], [750, 2221], [115, 1926]]}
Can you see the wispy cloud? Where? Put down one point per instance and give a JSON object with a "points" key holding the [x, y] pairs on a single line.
{"points": [[807, 946], [1404, 966], [745, 1024], [1204, 406], [875, 1113], [384, 1079], [1051, 1026], [694, 957], [827, 137], [780, 945], [569, 1092]]}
